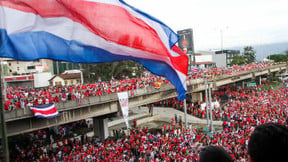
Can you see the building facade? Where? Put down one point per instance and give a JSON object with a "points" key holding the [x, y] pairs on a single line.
{"points": [[15, 67], [65, 79], [209, 59], [229, 54]]}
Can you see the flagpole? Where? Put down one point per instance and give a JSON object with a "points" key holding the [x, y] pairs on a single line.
{"points": [[3, 123]]}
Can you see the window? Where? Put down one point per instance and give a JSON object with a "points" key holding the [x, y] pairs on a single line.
{"points": [[58, 83], [30, 67]]}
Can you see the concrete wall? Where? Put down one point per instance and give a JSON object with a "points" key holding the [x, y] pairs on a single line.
{"points": [[220, 60], [210, 56], [204, 58], [21, 66]]}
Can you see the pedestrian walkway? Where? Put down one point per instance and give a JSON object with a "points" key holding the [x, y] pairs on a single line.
{"points": [[165, 115]]}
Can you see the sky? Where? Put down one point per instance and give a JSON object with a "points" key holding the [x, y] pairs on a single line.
{"points": [[242, 22]]}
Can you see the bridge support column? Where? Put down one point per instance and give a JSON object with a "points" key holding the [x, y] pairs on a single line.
{"points": [[100, 127], [253, 77], [197, 96]]}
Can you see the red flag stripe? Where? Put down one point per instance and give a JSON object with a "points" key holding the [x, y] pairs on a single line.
{"points": [[90, 14]]}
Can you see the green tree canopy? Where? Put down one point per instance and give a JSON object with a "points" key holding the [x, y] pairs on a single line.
{"points": [[249, 54], [278, 58], [105, 71], [238, 60]]}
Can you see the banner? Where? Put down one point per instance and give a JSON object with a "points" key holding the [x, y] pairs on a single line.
{"points": [[123, 100]]}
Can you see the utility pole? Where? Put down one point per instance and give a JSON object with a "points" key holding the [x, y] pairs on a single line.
{"points": [[57, 67], [185, 114], [2, 120], [206, 100], [221, 35], [81, 73]]}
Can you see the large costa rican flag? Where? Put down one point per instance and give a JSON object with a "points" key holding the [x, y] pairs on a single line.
{"points": [[90, 31], [45, 111]]}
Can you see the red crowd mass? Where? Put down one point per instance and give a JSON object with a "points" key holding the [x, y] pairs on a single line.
{"points": [[23, 97], [241, 109], [19, 97]]}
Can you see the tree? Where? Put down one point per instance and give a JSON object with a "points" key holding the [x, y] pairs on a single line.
{"points": [[249, 54], [278, 57], [238, 60], [105, 71]]}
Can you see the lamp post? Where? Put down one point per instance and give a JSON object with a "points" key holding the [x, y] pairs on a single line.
{"points": [[222, 40]]}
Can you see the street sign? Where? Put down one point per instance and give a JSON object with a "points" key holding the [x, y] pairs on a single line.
{"points": [[251, 84]]}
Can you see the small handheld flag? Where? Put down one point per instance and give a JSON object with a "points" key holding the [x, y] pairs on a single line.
{"points": [[265, 101], [45, 111], [194, 69], [261, 66]]}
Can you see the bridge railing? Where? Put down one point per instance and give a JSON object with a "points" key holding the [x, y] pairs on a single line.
{"points": [[250, 71], [92, 100]]}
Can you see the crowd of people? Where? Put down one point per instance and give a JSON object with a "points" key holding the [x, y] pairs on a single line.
{"points": [[241, 109], [25, 97], [20, 97], [249, 103]]}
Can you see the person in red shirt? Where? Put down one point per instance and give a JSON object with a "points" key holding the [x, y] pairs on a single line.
{"points": [[36, 102], [7, 104], [134, 123]]}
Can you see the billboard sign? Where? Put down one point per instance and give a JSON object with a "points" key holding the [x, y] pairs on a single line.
{"points": [[186, 41]]}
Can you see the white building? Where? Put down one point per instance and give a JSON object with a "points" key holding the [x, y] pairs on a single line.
{"points": [[209, 58], [15, 67], [65, 79]]}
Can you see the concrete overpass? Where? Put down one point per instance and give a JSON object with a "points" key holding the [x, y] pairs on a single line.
{"points": [[102, 107]]}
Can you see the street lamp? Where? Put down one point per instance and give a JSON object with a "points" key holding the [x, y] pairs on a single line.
{"points": [[222, 40]]}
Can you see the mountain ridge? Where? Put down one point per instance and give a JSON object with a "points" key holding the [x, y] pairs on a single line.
{"points": [[264, 50]]}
